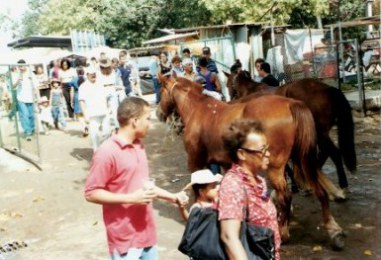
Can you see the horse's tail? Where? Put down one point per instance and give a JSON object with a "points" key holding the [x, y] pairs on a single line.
{"points": [[345, 128], [304, 153]]}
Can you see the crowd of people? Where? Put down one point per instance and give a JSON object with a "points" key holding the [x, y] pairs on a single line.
{"points": [[29, 90]]}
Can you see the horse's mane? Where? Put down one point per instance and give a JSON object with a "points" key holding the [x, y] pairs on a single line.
{"points": [[194, 88], [188, 83]]}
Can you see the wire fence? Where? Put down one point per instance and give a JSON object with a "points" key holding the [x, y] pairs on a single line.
{"points": [[19, 132], [348, 65]]}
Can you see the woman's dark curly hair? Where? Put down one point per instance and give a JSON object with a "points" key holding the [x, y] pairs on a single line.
{"points": [[235, 135], [64, 60]]}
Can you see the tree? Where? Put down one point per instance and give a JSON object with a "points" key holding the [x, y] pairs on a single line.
{"points": [[125, 23]]}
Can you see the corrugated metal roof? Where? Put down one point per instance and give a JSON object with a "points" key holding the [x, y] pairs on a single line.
{"points": [[170, 37], [373, 20], [42, 41], [215, 27]]}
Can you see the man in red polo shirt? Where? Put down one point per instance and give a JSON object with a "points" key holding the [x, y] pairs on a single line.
{"points": [[119, 178]]}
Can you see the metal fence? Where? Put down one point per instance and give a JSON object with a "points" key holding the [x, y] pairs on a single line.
{"points": [[12, 129], [340, 65]]}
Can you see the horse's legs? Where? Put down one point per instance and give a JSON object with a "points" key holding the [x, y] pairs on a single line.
{"points": [[278, 181], [197, 157], [334, 192], [335, 232], [290, 173], [328, 148]]}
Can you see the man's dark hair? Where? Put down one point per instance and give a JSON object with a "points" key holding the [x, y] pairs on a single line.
{"points": [[265, 67], [123, 53], [203, 62], [186, 50], [21, 61], [129, 108], [237, 65], [259, 60]]}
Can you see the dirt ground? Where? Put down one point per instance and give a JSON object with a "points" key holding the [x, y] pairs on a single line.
{"points": [[46, 209]]}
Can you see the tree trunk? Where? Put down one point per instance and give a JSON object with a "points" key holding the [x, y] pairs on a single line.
{"points": [[319, 22]]}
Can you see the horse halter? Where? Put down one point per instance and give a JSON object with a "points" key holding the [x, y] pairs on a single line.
{"points": [[171, 92]]}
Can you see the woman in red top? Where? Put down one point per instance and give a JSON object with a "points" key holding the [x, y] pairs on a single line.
{"points": [[242, 187]]}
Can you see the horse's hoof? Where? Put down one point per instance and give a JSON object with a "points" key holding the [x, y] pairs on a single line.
{"points": [[338, 241], [343, 195]]}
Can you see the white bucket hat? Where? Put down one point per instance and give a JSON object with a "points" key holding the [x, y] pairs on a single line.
{"points": [[204, 177], [187, 61]]}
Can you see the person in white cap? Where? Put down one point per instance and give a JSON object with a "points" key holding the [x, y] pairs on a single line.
{"points": [[93, 101], [205, 187], [45, 115], [113, 86], [188, 70]]}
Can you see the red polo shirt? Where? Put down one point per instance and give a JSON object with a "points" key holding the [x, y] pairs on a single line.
{"points": [[123, 168]]}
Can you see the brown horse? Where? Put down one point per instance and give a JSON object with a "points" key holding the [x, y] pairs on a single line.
{"points": [[290, 132], [328, 106]]}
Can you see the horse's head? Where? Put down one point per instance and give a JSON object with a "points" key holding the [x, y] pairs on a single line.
{"points": [[241, 84], [166, 105], [235, 79], [229, 84]]}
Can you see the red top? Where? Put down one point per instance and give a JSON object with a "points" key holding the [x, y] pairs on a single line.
{"points": [[232, 199], [123, 168]]}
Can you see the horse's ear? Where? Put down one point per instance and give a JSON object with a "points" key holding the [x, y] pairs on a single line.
{"points": [[226, 74]]}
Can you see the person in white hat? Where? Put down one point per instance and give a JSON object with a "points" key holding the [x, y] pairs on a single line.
{"points": [[45, 115], [113, 86], [93, 101], [205, 187], [189, 73]]}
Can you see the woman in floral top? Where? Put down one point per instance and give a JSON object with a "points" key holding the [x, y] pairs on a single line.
{"points": [[242, 187]]}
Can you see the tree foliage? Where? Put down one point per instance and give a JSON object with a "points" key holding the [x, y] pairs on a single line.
{"points": [[126, 23]]}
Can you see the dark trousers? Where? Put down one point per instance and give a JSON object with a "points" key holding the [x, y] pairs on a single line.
{"points": [[66, 93], [157, 88]]}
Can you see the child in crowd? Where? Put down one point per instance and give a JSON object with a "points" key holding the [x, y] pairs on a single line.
{"points": [[205, 187], [177, 68], [56, 102], [45, 115]]}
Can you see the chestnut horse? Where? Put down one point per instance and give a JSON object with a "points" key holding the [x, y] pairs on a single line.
{"points": [[290, 132], [328, 106]]}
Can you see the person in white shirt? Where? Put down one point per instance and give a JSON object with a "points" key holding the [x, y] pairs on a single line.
{"points": [[93, 101], [134, 77], [113, 87], [66, 75], [26, 87]]}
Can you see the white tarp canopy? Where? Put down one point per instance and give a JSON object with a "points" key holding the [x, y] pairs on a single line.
{"points": [[110, 52], [32, 55]]}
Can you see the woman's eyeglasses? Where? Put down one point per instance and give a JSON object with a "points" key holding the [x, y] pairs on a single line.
{"points": [[263, 150]]}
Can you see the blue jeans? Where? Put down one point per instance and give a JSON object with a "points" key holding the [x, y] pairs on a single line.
{"points": [[58, 116], [26, 114], [148, 253], [157, 88]]}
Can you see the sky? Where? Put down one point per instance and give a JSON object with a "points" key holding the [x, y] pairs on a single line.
{"points": [[14, 8]]}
